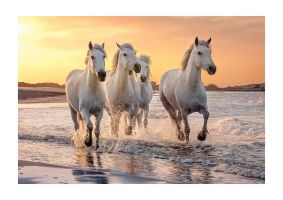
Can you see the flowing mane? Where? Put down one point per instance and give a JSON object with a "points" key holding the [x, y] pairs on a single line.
{"points": [[97, 47], [116, 56], [188, 53], [147, 60]]}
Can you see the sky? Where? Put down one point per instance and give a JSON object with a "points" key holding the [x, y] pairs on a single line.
{"points": [[50, 47]]}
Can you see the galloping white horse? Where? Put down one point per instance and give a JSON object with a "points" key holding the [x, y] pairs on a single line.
{"points": [[85, 94], [182, 92], [145, 90], [120, 91]]}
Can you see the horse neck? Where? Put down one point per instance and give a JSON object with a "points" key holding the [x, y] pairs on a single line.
{"points": [[121, 78], [192, 74], [91, 79]]}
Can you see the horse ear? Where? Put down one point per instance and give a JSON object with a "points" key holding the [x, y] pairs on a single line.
{"points": [[90, 45], [196, 41], [208, 41], [102, 45], [118, 45]]}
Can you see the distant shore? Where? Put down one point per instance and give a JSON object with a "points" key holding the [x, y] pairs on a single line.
{"points": [[244, 88], [41, 95]]}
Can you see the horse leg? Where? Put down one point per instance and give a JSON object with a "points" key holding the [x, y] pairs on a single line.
{"points": [[136, 113], [202, 134], [145, 116], [80, 120], [129, 129], [179, 117], [172, 113], [115, 122], [74, 117], [98, 118], [107, 110], [125, 119], [139, 117], [86, 118], [184, 116]]}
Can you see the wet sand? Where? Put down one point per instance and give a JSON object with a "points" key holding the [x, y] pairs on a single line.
{"points": [[36, 172]]}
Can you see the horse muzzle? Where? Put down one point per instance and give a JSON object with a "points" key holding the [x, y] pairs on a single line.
{"points": [[137, 68], [101, 76], [143, 79], [211, 69]]}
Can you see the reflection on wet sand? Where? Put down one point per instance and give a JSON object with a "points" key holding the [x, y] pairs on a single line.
{"points": [[91, 168]]}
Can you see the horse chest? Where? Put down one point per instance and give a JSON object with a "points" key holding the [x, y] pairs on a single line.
{"points": [[144, 96], [92, 106], [192, 101], [92, 102]]}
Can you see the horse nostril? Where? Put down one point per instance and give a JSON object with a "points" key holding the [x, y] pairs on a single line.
{"points": [[212, 69], [137, 68], [102, 74], [143, 78]]}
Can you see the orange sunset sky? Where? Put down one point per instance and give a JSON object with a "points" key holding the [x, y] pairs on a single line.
{"points": [[50, 47]]}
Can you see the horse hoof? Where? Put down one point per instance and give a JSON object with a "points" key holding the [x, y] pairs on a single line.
{"points": [[201, 136], [88, 142]]}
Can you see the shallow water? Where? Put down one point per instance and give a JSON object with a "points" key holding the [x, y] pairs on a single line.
{"points": [[234, 151]]}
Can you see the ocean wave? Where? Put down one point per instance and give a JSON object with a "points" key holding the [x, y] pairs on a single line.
{"points": [[236, 126]]}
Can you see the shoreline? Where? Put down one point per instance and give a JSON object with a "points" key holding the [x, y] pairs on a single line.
{"points": [[55, 95]]}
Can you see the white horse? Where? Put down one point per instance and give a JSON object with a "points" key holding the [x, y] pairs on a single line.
{"points": [[120, 90], [182, 92], [145, 90], [85, 94]]}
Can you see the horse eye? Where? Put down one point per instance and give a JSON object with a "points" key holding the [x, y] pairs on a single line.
{"points": [[103, 56], [125, 54], [92, 57], [199, 53]]}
